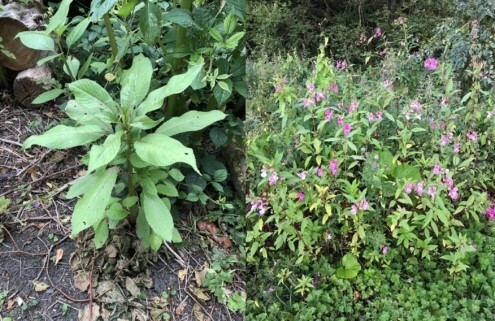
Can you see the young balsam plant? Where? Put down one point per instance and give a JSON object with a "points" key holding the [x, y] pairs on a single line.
{"points": [[130, 174]]}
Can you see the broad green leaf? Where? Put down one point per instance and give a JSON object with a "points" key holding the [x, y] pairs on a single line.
{"points": [[407, 172], [91, 95], [90, 209], [127, 8], [238, 7], [350, 267], [62, 137], [158, 216], [144, 122], [99, 8], [229, 23], [161, 150], [167, 189], [59, 17], [181, 17], [175, 85], [129, 201], [47, 96], [85, 67], [221, 95], [216, 35], [176, 238], [150, 22], [176, 174], [76, 33], [155, 241], [116, 212], [37, 40], [73, 69], [136, 82], [143, 229], [87, 115], [233, 41], [81, 185], [189, 122], [102, 155], [47, 59], [101, 234]]}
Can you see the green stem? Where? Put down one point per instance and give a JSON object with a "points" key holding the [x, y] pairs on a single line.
{"points": [[131, 189], [111, 37], [173, 108]]}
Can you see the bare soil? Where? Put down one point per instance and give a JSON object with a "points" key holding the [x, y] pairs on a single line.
{"points": [[47, 275]]}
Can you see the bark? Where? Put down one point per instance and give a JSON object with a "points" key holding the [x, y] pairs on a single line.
{"points": [[30, 83], [15, 18]]}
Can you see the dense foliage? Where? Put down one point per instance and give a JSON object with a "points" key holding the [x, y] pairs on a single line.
{"points": [[367, 179]]}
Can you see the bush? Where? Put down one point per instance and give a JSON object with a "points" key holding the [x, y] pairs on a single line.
{"points": [[355, 172]]}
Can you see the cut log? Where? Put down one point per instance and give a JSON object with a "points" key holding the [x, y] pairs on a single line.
{"points": [[31, 83], [15, 18]]}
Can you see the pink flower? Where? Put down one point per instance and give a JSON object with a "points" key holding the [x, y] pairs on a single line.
{"points": [[353, 107], [272, 180], [334, 167], [263, 171], [437, 170], [319, 172], [416, 106], [284, 81], [457, 148], [340, 120], [388, 84], [448, 181], [419, 189], [453, 193], [431, 64], [371, 117], [472, 135], [444, 140], [311, 87], [328, 114], [432, 191], [378, 33], [384, 250], [308, 101], [354, 209], [378, 115], [444, 101], [409, 187], [341, 64], [278, 89], [329, 236], [362, 37], [363, 204], [320, 96], [300, 196], [334, 88], [490, 212], [347, 129], [302, 175]]}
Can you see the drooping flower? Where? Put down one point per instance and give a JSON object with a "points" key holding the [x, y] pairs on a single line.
{"points": [[448, 181], [362, 38], [354, 209], [444, 140], [371, 117], [416, 106], [272, 180], [341, 64], [347, 129], [490, 212], [363, 204], [419, 189], [319, 172], [453, 193], [431, 64], [300, 196], [320, 96], [378, 33], [437, 169], [472, 135], [353, 107], [311, 87], [329, 236], [340, 120], [278, 88], [408, 188], [334, 88], [328, 114], [388, 84], [384, 250], [37, 205], [457, 148], [302, 175], [432, 191], [263, 171], [378, 115], [334, 167], [308, 102]]}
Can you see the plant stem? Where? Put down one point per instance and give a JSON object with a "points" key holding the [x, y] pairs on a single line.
{"points": [[173, 108], [111, 38], [131, 189]]}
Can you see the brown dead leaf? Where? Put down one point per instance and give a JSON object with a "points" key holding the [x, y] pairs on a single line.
{"points": [[58, 255], [199, 293], [224, 242], [208, 227], [33, 173], [111, 251], [50, 185], [182, 274], [109, 293], [40, 286], [180, 308], [131, 286], [200, 275], [10, 304], [81, 281], [84, 314], [198, 313]]}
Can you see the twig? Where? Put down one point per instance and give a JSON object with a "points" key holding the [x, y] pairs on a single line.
{"points": [[8, 141], [17, 249], [197, 302], [179, 259]]}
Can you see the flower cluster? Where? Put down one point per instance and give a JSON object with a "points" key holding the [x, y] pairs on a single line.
{"points": [[260, 204], [431, 64], [362, 205]]}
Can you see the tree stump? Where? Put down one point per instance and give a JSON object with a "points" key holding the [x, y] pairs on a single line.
{"points": [[15, 18], [30, 83]]}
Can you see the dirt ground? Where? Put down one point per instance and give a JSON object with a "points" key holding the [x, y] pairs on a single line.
{"points": [[47, 275]]}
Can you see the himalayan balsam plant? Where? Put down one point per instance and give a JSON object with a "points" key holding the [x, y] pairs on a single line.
{"points": [[130, 173]]}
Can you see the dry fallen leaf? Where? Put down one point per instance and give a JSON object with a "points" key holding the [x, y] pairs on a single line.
{"points": [[33, 173], [131, 286], [224, 242], [208, 227], [40, 286], [10, 304], [198, 314], [199, 293], [182, 274], [81, 281], [200, 275], [84, 315], [58, 255], [180, 308], [111, 251]]}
